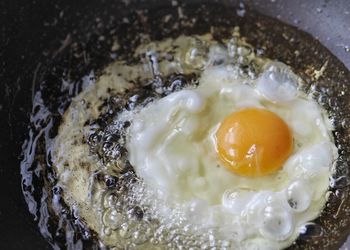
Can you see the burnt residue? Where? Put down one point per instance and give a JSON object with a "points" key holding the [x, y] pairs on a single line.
{"points": [[99, 37]]}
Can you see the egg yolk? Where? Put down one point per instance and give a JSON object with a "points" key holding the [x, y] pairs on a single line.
{"points": [[253, 142]]}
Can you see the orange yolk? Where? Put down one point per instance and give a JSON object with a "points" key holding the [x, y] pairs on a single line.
{"points": [[253, 142]]}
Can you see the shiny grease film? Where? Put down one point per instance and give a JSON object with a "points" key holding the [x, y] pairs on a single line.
{"points": [[125, 206]]}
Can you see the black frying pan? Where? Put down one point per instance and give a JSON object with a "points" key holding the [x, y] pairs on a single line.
{"points": [[34, 32]]}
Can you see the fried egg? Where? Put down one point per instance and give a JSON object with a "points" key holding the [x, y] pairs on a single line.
{"points": [[233, 162], [258, 150]]}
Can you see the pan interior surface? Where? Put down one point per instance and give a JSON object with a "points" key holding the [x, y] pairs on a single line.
{"points": [[81, 60]]}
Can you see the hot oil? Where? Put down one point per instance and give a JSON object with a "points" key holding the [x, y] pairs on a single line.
{"points": [[325, 78]]}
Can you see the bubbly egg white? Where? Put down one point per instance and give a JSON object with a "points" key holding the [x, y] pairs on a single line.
{"points": [[187, 198], [171, 145]]}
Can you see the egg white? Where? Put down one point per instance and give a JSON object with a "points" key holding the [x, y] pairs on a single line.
{"points": [[171, 145]]}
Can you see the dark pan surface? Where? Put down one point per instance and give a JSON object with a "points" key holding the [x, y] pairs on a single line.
{"points": [[34, 40]]}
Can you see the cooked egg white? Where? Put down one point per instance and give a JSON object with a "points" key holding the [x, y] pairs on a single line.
{"points": [[194, 198], [173, 148]]}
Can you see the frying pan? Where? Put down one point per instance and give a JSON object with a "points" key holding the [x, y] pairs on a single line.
{"points": [[33, 31]]}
